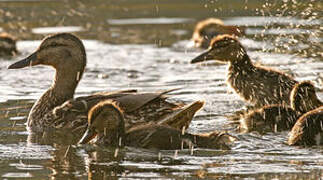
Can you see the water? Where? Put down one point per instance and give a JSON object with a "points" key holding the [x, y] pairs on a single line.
{"points": [[125, 53]]}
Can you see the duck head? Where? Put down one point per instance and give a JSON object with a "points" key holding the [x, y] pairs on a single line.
{"points": [[303, 97], [223, 48], [61, 51], [106, 121]]}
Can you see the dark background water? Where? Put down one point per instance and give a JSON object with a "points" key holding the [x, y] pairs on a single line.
{"points": [[145, 45]]}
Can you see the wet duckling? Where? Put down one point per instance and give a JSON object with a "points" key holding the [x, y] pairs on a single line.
{"points": [[257, 85], [279, 117], [270, 118], [7, 45], [303, 97], [206, 29], [308, 130], [106, 123], [56, 108]]}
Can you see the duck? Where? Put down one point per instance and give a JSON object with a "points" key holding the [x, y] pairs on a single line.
{"points": [[256, 85], [57, 109], [106, 127], [8, 46], [278, 117], [208, 28], [303, 97], [270, 118], [308, 129]]}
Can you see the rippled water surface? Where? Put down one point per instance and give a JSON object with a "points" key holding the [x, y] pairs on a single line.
{"points": [[148, 49]]}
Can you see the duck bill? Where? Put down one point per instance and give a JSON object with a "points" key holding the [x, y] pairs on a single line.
{"points": [[202, 57], [87, 136], [28, 61]]}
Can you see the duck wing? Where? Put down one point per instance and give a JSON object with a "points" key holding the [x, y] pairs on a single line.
{"points": [[138, 108]]}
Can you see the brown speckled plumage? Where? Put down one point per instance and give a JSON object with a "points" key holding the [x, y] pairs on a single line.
{"points": [[257, 85], [270, 118], [280, 117], [303, 97], [107, 123], [56, 108], [308, 129]]}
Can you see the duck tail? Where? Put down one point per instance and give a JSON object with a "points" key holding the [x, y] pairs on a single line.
{"points": [[182, 118]]}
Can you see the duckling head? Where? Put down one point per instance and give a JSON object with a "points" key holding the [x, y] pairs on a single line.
{"points": [[223, 48], [7, 45], [61, 51], [206, 29], [303, 97], [106, 121]]}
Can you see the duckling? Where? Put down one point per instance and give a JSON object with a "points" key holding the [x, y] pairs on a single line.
{"points": [[57, 109], [279, 117], [257, 85], [308, 130], [7, 45], [106, 123], [208, 28], [303, 97], [272, 118]]}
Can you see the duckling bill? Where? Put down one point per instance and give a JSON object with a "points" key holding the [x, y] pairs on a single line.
{"points": [[257, 85], [106, 123]]}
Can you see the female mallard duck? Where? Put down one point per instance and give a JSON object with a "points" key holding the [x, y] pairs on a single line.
{"points": [[258, 85], [7, 45], [206, 29], [279, 117], [106, 121], [56, 108]]}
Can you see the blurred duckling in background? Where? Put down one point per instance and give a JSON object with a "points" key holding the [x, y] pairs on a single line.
{"points": [[279, 117], [7, 45], [106, 123], [257, 85], [206, 29]]}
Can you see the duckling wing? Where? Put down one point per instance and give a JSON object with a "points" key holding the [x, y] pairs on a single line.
{"points": [[308, 129], [263, 86], [154, 136]]}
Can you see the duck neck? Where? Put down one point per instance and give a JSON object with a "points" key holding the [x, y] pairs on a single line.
{"points": [[61, 90], [242, 63]]}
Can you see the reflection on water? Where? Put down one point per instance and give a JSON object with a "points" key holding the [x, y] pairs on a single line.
{"points": [[159, 61], [62, 29]]}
